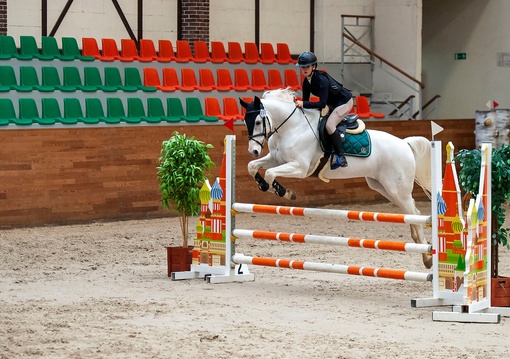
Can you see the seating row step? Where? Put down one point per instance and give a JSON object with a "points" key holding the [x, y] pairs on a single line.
{"points": [[110, 80], [145, 51], [153, 110], [72, 79], [243, 80]]}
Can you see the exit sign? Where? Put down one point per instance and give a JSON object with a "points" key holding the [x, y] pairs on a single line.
{"points": [[460, 56]]}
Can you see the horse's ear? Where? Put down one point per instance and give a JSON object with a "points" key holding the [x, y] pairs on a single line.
{"points": [[243, 103], [257, 101]]}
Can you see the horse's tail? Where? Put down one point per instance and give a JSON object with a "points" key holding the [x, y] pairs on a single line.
{"points": [[421, 150]]}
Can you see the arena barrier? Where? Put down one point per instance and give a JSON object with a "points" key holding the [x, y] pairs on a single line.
{"points": [[460, 245]]}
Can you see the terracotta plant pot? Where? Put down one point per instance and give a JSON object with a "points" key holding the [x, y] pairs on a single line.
{"points": [[179, 259], [500, 292]]}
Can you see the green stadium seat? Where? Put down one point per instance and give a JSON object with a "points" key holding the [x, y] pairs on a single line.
{"points": [[132, 78], [28, 77], [29, 114], [50, 49], [72, 78], [7, 113], [194, 112], [136, 112], [115, 112], [93, 111], [112, 78], [72, 111], [8, 80], [71, 51], [174, 109], [51, 111], [92, 79], [9, 50], [51, 78], [156, 111], [28, 47]]}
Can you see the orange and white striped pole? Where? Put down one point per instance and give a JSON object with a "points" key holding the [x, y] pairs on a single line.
{"points": [[333, 213], [341, 241], [333, 268]]}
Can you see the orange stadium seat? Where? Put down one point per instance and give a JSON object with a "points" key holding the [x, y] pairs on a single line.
{"points": [[218, 53], [267, 55], [165, 51], [283, 54], [183, 51], [128, 50], [235, 52], [224, 80], [206, 79], [251, 53], [109, 48], [188, 80], [274, 79], [201, 51], [258, 80], [241, 80]]}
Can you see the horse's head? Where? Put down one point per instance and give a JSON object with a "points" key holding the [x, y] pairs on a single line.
{"points": [[257, 124], [261, 123]]}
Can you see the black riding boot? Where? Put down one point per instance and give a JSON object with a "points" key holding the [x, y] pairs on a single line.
{"points": [[338, 158]]}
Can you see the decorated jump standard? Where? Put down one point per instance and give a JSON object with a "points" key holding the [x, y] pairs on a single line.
{"points": [[460, 247]]}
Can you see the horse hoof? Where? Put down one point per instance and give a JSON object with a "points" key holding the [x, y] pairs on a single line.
{"points": [[428, 262], [291, 194]]}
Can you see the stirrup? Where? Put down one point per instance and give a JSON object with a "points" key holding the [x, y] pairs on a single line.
{"points": [[338, 161]]}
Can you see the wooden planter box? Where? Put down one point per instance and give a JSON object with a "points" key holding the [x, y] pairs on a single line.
{"points": [[500, 292], [179, 259]]}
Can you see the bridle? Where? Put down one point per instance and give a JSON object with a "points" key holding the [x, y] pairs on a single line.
{"points": [[265, 118]]}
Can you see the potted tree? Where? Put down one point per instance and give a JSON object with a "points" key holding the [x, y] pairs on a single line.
{"points": [[181, 173], [470, 163]]}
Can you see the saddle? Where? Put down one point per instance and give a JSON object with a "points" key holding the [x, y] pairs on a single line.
{"points": [[357, 142], [351, 124]]}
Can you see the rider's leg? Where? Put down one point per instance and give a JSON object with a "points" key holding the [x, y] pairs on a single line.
{"points": [[336, 116]]}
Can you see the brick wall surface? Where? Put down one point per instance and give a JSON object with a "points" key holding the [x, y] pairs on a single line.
{"points": [[3, 17], [78, 175], [195, 20]]}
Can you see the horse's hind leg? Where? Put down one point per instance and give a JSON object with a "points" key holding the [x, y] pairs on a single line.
{"points": [[406, 203]]}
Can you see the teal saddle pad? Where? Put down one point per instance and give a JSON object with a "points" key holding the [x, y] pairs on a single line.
{"points": [[358, 145]]}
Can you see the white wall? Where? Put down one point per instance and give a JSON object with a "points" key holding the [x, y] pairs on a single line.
{"points": [[93, 18], [328, 25], [398, 40], [479, 28]]}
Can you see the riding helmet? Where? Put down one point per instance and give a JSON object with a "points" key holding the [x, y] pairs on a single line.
{"points": [[306, 58]]}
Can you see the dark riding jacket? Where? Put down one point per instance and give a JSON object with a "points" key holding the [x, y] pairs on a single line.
{"points": [[320, 86]]}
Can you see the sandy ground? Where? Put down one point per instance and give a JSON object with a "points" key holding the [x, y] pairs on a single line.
{"points": [[101, 291]]}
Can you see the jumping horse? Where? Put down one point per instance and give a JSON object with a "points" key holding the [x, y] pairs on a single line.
{"points": [[295, 151]]}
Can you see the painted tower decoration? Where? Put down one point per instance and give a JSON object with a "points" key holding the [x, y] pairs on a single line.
{"points": [[463, 246], [209, 245]]}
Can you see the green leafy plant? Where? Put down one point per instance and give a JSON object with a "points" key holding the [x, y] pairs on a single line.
{"points": [[469, 176], [181, 173]]}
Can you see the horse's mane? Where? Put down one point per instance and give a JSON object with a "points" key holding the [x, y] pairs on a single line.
{"points": [[285, 95]]}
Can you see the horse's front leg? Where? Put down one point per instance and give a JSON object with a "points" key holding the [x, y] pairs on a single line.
{"points": [[290, 170], [253, 169]]}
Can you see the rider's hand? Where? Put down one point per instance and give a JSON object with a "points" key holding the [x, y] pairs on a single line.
{"points": [[299, 103]]}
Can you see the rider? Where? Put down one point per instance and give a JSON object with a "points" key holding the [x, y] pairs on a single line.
{"points": [[340, 100]]}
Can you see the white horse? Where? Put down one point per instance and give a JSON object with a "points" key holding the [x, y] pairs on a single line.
{"points": [[295, 151]]}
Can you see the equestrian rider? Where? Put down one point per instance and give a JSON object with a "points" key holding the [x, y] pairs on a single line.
{"points": [[339, 99]]}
